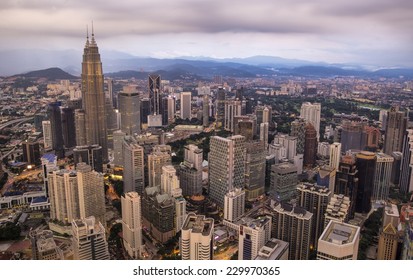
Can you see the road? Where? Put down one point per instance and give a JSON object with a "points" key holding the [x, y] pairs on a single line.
{"points": [[16, 122]]}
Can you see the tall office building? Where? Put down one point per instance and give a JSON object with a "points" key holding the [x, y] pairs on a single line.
{"points": [[80, 127], [335, 155], [118, 137], [339, 241], [396, 169], [145, 109], [154, 85], [234, 204], [89, 240], [133, 166], [347, 181], [170, 182], [314, 199], [55, 117], [382, 176], [274, 249], [284, 181], [254, 169], [371, 138], [93, 97], [197, 241], [406, 174], [171, 109], [253, 235], [395, 128], [298, 130], [91, 155], [246, 126], [264, 134], [287, 217], [190, 171], [352, 136], [205, 110], [160, 156], [130, 115], [131, 224], [186, 107], [366, 165], [232, 109], [226, 166], [47, 135], [326, 177], [31, 152], [44, 246], [158, 214], [220, 105], [311, 112], [310, 146], [68, 127], [49, 164], [389, 234]]}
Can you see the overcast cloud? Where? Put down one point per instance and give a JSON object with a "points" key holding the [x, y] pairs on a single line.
{"points": [[375, 32]]}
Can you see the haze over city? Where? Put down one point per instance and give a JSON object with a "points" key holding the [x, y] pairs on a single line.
{"points": [[372, 33]]}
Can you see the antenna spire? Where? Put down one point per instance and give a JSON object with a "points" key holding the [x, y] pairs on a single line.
{"points": [[93, 42], [87, 36]]}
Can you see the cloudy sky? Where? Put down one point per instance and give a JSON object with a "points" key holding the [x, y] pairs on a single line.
{"points": [[368, 32]]}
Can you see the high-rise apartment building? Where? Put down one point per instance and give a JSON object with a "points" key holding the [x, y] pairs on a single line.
{"points": [[337, 209], [226, 166], [314, 199], [234, 204], [232, 109], [89, 240], [93, 97], [287, 217], [339, 241], [130, 115], [396, 125], [131, 224], [133, 166], [197, 241], [160, 156], [311, 112]]}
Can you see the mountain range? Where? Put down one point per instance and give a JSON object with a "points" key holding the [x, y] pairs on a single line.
{"points": [[122, 65]]}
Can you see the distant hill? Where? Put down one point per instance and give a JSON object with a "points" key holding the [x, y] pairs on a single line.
{"points": [[49, 73]]}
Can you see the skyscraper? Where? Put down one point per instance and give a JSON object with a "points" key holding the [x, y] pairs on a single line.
{"points": [[190, 171], [196, 241], [205, 110], [130, 115], [186, 107], [220, 105], [44, 246], [396, 125], [234, 204], [232, 109], [154, 84], [310, 146], [347, 181], [80, 127], [284, 181], [352, 136], [406, 174], [89, 240], [93, 97], [253, 234], [131, 224], [389, 235], [366, 164], [335, 155], [254, 169], [47, 135], [160, 156], [264, 134], [91, 155], [311, 113], [382, 175], [298, 130], [55, 117], [31, 152], [287, 217], [133, 166], [68, 127], [314, 199], [226, 166]]}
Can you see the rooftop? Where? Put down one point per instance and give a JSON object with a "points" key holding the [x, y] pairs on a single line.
{"points": [[340, 233], [199, 224]]}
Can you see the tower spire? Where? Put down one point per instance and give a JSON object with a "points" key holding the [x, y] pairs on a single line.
{"points": [[93, 42], [87, 36]]}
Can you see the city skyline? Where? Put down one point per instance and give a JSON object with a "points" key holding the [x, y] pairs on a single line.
{"points": [[372, 33]]}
